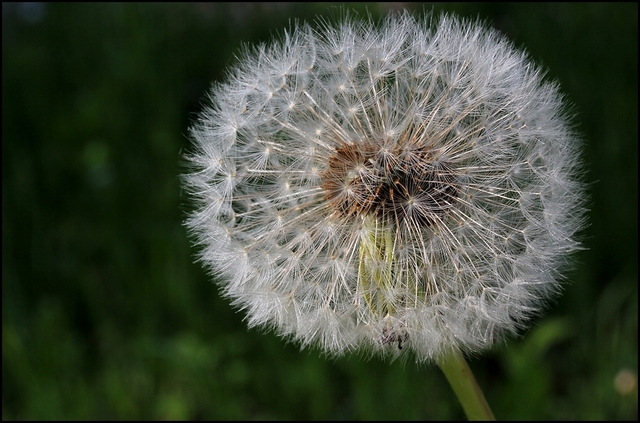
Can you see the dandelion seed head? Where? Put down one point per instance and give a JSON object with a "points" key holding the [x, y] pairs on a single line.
{"points": [[412, 185]]}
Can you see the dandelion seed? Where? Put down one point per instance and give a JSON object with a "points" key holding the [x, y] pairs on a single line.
{"points": [[411, 185]]}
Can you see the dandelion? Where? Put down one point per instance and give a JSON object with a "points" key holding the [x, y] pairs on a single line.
{"points": [[404, 186]]}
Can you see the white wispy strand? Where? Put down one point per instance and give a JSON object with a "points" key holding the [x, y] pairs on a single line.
{"points": [[406, 185]]}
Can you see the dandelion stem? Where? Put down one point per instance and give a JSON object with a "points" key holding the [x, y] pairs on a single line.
{"points": [[376, 264], [464, 384]]}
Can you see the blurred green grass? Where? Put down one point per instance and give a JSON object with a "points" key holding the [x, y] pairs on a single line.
{"points": [[104, 313]]}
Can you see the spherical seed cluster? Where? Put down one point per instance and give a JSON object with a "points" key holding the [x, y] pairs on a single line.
{"points": [[411, 185]]}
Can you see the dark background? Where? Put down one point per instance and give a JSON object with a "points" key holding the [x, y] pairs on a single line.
{"points": [[106, 315]]}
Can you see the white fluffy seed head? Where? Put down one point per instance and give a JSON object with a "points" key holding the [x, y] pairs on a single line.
{"points": [[412, 185]]}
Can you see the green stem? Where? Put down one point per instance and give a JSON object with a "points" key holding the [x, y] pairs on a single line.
{"points": [[375, 272], [376, 247], [459, 375]]}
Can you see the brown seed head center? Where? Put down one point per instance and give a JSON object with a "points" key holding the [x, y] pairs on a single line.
{"points": [[399, 183]]}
